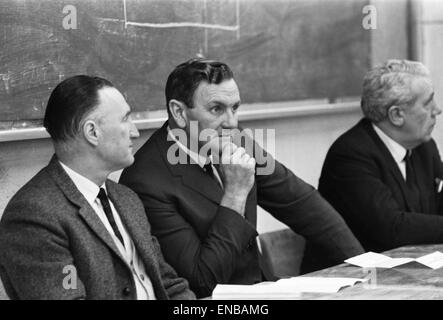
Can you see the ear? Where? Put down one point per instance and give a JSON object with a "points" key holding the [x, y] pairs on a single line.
{"points": [[396, 116], [178, 112], [91, 132]]}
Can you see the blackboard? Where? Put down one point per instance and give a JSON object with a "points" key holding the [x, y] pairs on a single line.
{"points": [[279, 50]]}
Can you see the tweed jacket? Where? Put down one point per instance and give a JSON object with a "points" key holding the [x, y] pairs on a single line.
{"points": [[54, 246]]}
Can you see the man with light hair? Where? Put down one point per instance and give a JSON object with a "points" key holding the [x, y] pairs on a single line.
{"points": [[385, 174]]}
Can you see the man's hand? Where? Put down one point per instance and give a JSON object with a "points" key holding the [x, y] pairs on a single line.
{"points": [[237, 170]]}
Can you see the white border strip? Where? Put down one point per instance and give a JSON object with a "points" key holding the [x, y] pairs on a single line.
{"points": [[258, 111]]}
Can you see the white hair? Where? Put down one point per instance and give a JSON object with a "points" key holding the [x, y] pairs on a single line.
{"points": [[389, 84]]}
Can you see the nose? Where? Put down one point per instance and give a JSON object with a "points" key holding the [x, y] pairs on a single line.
{"points": [[231, 120], [437, 110], [133, 132]]}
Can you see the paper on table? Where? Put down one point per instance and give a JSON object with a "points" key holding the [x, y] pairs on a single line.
{"points": [[254, 292], [283, 288], [433, 260], [377, 260], [318, 284]]}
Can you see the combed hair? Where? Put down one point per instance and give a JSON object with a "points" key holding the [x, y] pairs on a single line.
{"points": [[70, 102], [186, 77], [389, 84]]}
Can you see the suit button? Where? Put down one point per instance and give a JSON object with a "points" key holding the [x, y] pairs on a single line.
{"points": [[142, 277], [126, 291]]}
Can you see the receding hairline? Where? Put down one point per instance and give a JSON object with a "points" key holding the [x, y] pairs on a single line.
{"points": [[427, 83], [98, 115]]}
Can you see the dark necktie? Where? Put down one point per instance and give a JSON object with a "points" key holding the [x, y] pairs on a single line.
{"points": [[411, 181], [108, 211], [210, 171]]}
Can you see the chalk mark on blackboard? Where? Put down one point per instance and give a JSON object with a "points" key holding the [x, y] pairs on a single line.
{"points": [[175, 24], [5, 78], [124, 13], [204, 25]]}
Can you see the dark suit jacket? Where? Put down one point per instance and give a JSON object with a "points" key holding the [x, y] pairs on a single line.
{"points": [[49, 225], [362, 181], [209, 244]]}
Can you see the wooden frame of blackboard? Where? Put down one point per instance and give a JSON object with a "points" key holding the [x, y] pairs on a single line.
{"points": [[250, 112]]}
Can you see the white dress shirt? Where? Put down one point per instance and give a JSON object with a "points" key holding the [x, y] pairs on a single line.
{"points": [[90, 191], [201, 160], [397, 151]]}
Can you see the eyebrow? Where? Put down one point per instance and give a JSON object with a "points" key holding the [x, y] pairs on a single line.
{"points": [[430, 98], [127, 114], [215, 102]]}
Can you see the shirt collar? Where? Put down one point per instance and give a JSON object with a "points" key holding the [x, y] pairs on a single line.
{"points": [[86, 187], [201, 160], [397, 151]]}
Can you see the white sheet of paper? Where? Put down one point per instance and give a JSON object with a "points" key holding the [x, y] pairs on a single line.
{"points": [[367, 259], [283, 289], [376, 260], [259, 291], [394, 262], [319, 284], [433, 260]]}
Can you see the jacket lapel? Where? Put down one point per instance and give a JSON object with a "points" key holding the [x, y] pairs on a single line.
{"points": [[85, 210], [136, 224], [191, 175], [422, 180], [390, 162], [90, 217]]}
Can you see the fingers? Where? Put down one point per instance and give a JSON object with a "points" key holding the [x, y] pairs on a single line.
{"points": [[238, 155], [252, 162], [232, 154], [224, 141], [228, 151]]}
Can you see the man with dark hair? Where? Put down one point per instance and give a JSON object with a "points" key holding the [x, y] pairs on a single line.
{"points": [[204, 210], [70, 233], [385, 174]]}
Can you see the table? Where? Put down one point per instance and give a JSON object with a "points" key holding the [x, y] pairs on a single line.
{"points": [[409, 281]]}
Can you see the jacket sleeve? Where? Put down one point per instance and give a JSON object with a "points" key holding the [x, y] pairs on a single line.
{"points": [[298, 205], [352, 181], [176, 288], [203, 260], [34, 255]]}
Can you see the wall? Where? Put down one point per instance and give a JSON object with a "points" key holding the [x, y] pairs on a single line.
{"points": [[430, 28], [390, 39]]}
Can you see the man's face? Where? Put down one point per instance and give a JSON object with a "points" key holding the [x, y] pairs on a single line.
{"points": [[215, 107], [420, 118], [116, 129]]}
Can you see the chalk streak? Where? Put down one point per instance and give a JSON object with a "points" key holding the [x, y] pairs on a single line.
{"points": [[205, 16], [124, 13], [237, 15], [175, 25]]}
